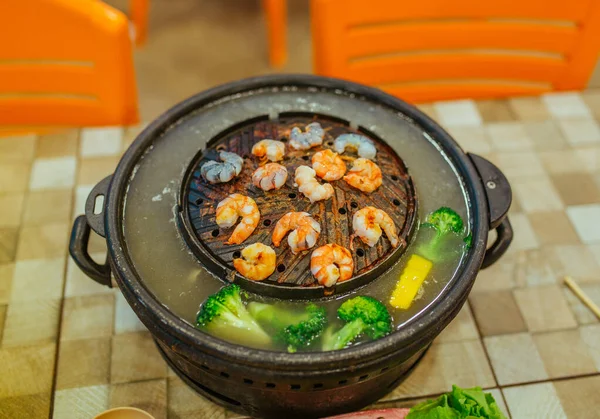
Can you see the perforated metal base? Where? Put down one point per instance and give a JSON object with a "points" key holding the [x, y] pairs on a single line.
{"points": [[276, 399], [292, 278]]}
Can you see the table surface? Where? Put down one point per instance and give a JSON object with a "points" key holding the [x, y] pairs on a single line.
{"points": [[71, 348]]}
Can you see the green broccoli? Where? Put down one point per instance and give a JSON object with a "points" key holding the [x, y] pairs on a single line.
{"points": [[275, 317], [446, 222], [362, 315], [468, 240], [224, 314], [296, 330]]}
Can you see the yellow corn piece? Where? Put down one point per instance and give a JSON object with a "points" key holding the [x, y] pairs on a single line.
{"points": [[412, 278]]}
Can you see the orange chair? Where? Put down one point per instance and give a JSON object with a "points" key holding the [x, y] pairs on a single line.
{"points": [[276, 16], [65, 63], [138, 13], [440, 49]]}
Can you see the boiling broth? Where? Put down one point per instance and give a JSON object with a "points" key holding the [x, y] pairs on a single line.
{"points": [[174, 275]]}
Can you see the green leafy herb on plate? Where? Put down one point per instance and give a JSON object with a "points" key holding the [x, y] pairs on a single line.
{"points": [[468, 403]]}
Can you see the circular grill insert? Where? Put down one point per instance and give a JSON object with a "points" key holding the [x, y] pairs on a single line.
{"points": [[292, 278]]}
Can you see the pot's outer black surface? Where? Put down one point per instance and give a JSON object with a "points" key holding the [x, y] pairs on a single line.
{"points": [[276, 384]]}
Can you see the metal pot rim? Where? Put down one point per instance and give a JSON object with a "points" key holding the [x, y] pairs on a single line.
{"points": [[421, 327]]}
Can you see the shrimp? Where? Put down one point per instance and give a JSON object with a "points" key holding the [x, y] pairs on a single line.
{"points": [[307, 184], [368, 222], [313, 136], [218, 172], [271, 149], [257, 262], [331, 263], [328, 165], [270, 176], [230, 209], [363, 145], [305, 232], [364, 175]]}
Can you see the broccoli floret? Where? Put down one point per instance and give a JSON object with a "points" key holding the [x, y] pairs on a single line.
{"points": [[295, 329], [275, 317], [362, 315], [468, 240], [445, 219], [446, 222], [224, 315], [302, 334]]}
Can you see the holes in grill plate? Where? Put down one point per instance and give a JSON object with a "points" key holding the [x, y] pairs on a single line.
{"points": [[215, 232], [224, 374], [267, 223], [360, 252], [395, 178], [342, 382], [318, 385], [329, 143], [245, 157], [198, 201], [342, 211], [396, 202], [353, 204], [280, 268], [305, 157], [237, 254], [270, 385], [363, 377], [248, 381], [283, 139], [292, 195], [384, 369], [294, 386]]}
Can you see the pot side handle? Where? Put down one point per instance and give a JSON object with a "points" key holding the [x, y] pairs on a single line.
{"points": [[78, 248], [95, 208], [95, 213], [499, 197], [500, 245]]}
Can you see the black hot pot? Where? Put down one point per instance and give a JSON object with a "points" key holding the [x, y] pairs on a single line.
{"points": [[276, 384]]}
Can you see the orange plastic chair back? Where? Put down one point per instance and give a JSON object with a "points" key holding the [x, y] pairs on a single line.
{"points": [[276, 16], [138, 13], [439, 49], [65, 63]]}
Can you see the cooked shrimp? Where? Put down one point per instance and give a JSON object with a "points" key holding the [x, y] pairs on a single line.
{"points": [[363, 145], [331, 263], [328, 165], [218, 172], [368, 222], [230, 209], [270, 176], [257, 262], [271, 149], [307, 184], [313, 136], [364, 175], [305, 231]]}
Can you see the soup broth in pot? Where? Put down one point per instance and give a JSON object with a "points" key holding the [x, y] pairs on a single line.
{"points": [[179, 280]]}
